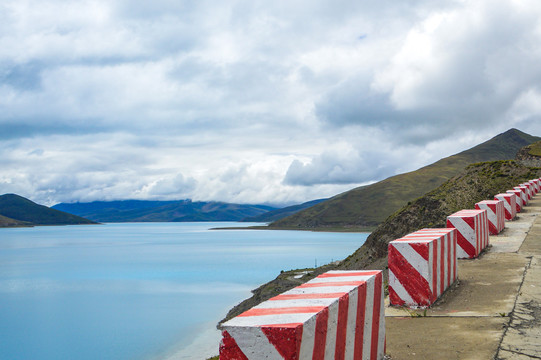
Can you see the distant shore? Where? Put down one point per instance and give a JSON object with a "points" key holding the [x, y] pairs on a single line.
{"points": [[360, 229]]}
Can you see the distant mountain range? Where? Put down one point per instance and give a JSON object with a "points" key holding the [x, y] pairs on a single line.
{"points": [[163, 211], [16, 210], [361, 208], [277, 214], [367, 206]]}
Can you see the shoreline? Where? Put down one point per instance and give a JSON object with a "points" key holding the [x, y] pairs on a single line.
{"points": [[360, 230]]}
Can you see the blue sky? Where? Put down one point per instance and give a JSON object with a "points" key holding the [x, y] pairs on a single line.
{"points": [[253, 101]]}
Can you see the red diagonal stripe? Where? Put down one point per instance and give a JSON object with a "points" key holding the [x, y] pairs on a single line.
{"points": [[416, 286], [341, 331], [229, 349], [322, 320], [375, 318], [462, 242], [421, 249], [359, 323], [287, 341]]}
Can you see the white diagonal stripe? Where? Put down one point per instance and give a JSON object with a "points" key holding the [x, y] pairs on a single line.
{"points": [[413, 258], [352, 321], [368, 318], [332, 328], [399, 289], [254, 343], [308, 339]]}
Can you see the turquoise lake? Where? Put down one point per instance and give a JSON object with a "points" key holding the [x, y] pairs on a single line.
{"points": [[139, 290]]}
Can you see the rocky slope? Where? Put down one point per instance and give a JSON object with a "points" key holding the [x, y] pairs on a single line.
{"points": [[530, 155]]}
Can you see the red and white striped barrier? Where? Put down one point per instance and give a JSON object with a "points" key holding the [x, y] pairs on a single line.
{"points": [[529, 190], [518, 199], [472, 236], [509, 204], [337, 315], [524, 194], [422, 265], [495, 213], [535, 183]]}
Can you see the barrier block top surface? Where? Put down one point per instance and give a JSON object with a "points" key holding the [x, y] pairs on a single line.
{"points": [[422, 265], [337, 315]]}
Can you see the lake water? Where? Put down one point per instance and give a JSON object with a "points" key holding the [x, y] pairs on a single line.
{"points": [[139, 291]]}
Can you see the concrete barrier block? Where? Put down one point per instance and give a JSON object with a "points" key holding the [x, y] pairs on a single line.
{"points": [[535, 183], [509, 204], [472, 232], [495, 213], [337, 315], [422, 265], [518, 199], [524, 194], [529, 190]]}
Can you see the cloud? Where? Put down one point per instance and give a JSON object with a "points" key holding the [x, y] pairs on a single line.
{"points": [[462, 67], [251, 101]]}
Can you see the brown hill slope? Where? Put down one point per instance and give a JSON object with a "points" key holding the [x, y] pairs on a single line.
{"points": [[7, 222], [370, 205]]}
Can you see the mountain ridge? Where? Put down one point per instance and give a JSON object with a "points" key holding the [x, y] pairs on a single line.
{"points": [[365, 207], [163, 211]]}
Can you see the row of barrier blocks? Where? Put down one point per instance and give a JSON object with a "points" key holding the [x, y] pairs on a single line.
{"points": [[337, 315], [340, 314], [413, 259]]}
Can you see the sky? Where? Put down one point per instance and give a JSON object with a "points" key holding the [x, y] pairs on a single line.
{"points": [[253, 101]]}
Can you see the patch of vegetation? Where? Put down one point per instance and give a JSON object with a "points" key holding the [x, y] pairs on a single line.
{"points": [[535, 149]]}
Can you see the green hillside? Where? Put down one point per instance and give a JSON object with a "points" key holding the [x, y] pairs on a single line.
{"points": [[23, 210], [367, 206]]}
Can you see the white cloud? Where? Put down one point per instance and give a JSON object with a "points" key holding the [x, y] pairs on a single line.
{"points": [[251, 101]]}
